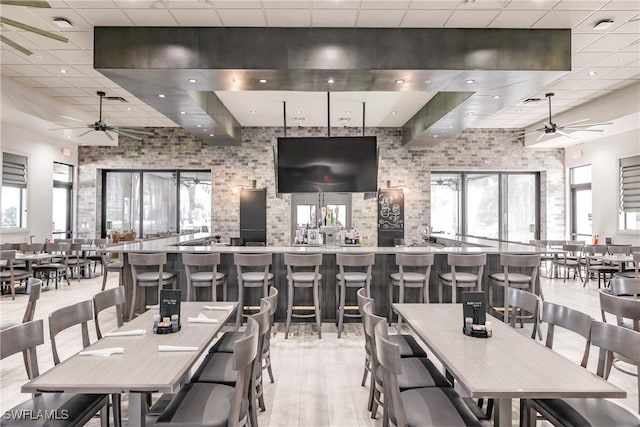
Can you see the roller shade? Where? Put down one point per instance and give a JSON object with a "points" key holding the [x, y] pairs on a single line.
{"points": [[630, 184], [14, 170]]}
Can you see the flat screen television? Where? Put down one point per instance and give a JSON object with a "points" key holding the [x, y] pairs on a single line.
{"points": [[327, 165]]}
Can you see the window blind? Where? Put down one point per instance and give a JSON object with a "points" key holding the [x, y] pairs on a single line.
{"points": [[14, 170], [630, 184]]}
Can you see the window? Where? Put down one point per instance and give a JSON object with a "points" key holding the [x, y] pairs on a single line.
{"points": [[581, 202], [630, 193], [62, 201], [314, 210], [14, 191], [152, 203], [494, 205]]}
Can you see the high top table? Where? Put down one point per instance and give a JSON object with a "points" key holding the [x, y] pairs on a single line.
{"points": [[504, 367], [141, 369]]}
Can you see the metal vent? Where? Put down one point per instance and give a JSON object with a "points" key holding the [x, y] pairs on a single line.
{"points": [[531, 101]]}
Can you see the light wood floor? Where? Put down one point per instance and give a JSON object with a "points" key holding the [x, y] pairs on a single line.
{"points": [[317, 382]]}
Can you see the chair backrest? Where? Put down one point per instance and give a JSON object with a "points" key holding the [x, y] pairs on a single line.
{"points": [[619, 249], [520, 261], [23, 338], [10, 246], [621, 307], [362, 299], [594, 249], [32, 248], [34, 286], [244, 354], [369, 323], [303, 262], [388, 356], [527, 301], [414, 262], [572, 250], [467, 261], [273, 306], [355, 261], [570, 319], [8, 255], [113, 297], [622, 286], [201, 260], [76, 314], [147, 259], [252, 262]]}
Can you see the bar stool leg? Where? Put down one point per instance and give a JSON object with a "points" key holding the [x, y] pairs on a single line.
{"points": [[133, 301], [240, 310], [316, 304], [400, 301], [290, 288], [341, 306], [390, 299], [224, 289]]}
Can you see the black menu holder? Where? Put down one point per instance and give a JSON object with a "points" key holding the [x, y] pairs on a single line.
{"points": [[474, 306], [169, 306]]}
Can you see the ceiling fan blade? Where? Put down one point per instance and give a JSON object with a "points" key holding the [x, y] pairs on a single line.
{"points": [[571, 123], [585, 130], [79, 127], [564, 134], [15, 45], [130, 135], [534, 132], [542, 135], [142, 132], [587, 125], [27, 3], [108, 135], [35, 30], [85, 133]]}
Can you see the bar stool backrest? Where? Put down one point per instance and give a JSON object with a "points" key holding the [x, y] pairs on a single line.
{"points": [[303, 262], [570, 319], [113, 297], [520, 261], [76, 314], [355, 261]]}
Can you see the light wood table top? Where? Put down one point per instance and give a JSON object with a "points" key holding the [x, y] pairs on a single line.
{"points": [[507, 365]]}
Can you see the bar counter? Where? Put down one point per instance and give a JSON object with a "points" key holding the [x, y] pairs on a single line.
{"points": [[384, 265]]}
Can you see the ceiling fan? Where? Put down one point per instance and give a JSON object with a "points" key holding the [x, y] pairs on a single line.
{"points": [[551, 128], [22, 26], [101, 125]]}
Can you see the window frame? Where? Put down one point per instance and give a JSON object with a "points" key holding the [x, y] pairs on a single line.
{"points": [[68, 185], [626, 162], [23, 208]]}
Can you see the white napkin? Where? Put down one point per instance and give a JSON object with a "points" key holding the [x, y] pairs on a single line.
{"points": [[132, 333], [217, 307], [153, 307], [176, 348], [103, 352], [201, 319]]}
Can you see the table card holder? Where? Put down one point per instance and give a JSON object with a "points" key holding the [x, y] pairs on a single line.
{"points": [[169, 312], [474, 314]]}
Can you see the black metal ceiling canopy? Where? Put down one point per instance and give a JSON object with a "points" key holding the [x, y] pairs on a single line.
{"points": [[504, 64]]}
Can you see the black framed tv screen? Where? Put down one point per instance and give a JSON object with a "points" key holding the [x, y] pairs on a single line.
{"points": [[324, 165]]}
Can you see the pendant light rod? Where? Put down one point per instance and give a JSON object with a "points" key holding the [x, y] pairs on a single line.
{"points": [[363, 112], [284, 117], [329, 114]]}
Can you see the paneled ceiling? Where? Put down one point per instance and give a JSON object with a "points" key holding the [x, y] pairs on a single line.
{"points": [[602, 60]]}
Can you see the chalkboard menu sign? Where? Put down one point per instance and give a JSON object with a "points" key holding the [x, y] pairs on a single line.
{"points": [[391, 209]]}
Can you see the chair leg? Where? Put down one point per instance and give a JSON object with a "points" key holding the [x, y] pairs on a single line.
{"points": [[269, 370], [240, 310], [390, 299], [400, 301], [367, 368], [133, 300], [289, 310], [104, 279], [224, 290], [117, 410], [316, 303], [341, 314]]}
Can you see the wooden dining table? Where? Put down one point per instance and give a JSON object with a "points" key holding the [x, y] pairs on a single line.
{"points": [[141, 368], [506, 366]]}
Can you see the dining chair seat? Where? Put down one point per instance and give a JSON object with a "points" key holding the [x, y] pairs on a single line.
{"points": [[205, 276], [514, 279], [409, 277], [254, 277], [585, 412], [202, 405], [216, 368], [409, 347], [353, 278], [305, 276], [435, 407], [464, 279], [150, 278], [417, 372]]}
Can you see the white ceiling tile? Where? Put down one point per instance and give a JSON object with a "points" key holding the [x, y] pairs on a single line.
{"points": [[483, 4], [425, 18], [150, 17], [622, 5], [385, 4], [582, 59], [624, 73], [632, 47], [577, 94], [46, 42], [87, 70], [83, 82], [73, 57], [71, 91], [532, 4], [9, 56], [579, 41], [630, 26], [516, 19], [236, 4], [380, 18], [333, 18], [106, 83], [619, 17], [580, 5], [471, 18], [336, 4], [611, 42], [7, 71], [618, 59], [28, 70], [434, 4], [52, 82], [287, 4], [20, 38], [196, 17], [91, 4], [567, 84], [141, 4], [242, 17], [288, 17], [54, 70], [561, 19], [600, 84], [82, 39], [104, 17]]}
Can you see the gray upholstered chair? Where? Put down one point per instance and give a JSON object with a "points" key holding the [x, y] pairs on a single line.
{"points": [[415, 371], [354, 272], [525, 277], [414, 271], [217, 367], [113, 297], [200, 404], [79, 408], [253, 272], [147, 271], [303, 271], [609, 339], [441, 406], [9, 275], [468, 278], [202, 272]]}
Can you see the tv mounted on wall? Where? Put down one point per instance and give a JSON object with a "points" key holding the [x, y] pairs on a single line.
{"points": [[322, 165]]}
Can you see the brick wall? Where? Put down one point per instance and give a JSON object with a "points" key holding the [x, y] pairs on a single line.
{"points": [[236, 166]]}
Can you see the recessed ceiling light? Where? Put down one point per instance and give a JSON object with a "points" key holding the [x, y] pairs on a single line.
{"points": [[450, 126], [518, 110], [435, 136], [394, 112], [183, 112], [330, 81], [347, 112], [204, 130], [427, 81], [198, 125], [128, 108], [39, 57], [496, 96], [210, 134], [262, 80], [469, 81], [63, 71], [399, 81], [298, 111], [591, 73], [161, 95], [603, 24], [62, 22], [252, 111], [470, 113], [193, 81]]}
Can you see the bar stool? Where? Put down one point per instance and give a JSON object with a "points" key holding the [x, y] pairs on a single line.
{"points": [[462, 279], [511, 279], [248, 277], [351, 279], [198, 277], [150, 278], [419, 266], [303, 279]]}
